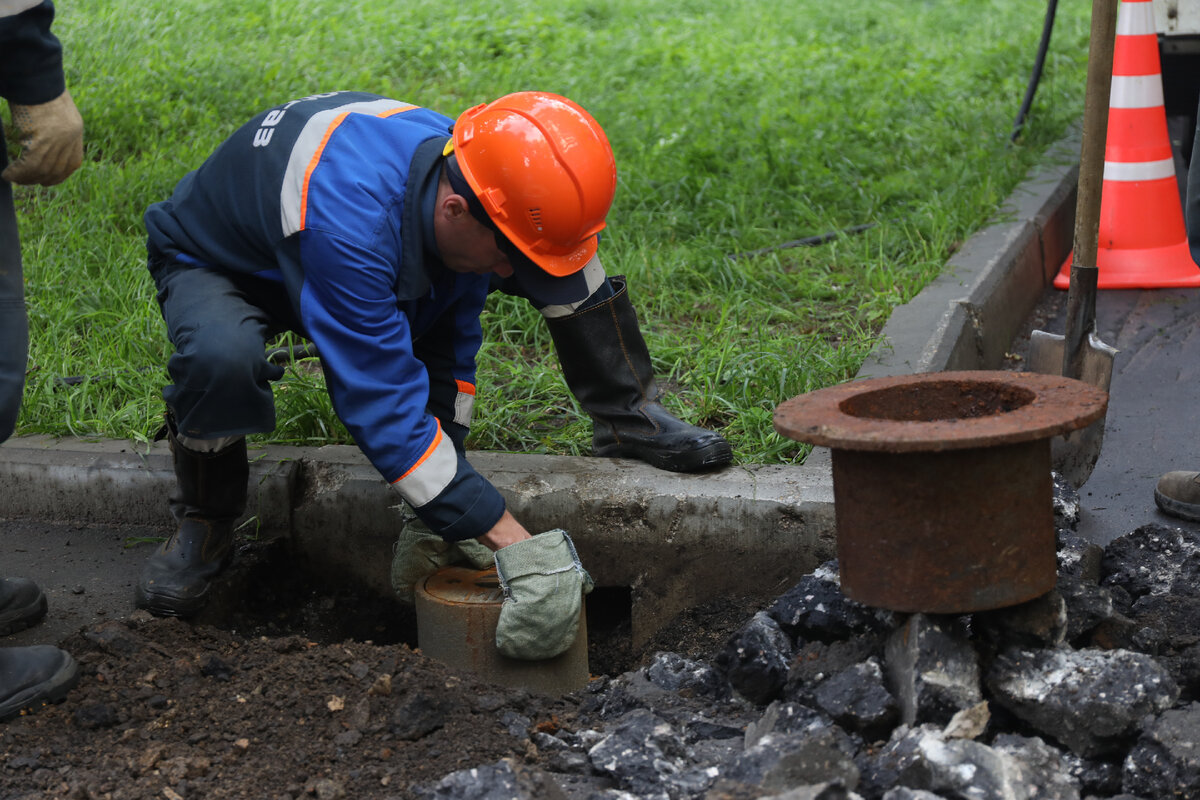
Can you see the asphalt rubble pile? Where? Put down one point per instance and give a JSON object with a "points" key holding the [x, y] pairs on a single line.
{"points": [[1090, 691]]}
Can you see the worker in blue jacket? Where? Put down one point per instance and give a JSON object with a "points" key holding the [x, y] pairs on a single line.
{"points": [[49, 130], [376, 229]]}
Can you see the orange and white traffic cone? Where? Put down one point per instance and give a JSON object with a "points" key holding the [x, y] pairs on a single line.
{"points": [[1142, 238]]}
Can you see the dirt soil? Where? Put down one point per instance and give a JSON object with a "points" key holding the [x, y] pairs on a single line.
{"points": [[303, 693]]}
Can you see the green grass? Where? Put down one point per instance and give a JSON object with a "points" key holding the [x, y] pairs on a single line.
{"points": [[736, 127]]}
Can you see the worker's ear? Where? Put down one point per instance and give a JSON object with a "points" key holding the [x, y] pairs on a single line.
{"points": [[455, 206]]}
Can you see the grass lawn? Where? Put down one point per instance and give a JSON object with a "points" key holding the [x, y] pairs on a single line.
{"points": [[737, 126]]}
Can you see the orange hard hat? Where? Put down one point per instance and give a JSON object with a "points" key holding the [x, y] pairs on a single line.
{"points": [[544, 172]]}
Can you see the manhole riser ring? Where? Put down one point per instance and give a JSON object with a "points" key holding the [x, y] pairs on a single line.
{"points": [[941, 514], [457, 612], [914, 533]]}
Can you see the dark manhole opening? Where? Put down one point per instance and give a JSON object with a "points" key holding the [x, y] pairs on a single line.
{"points": [[930, 401], [269, 591]]}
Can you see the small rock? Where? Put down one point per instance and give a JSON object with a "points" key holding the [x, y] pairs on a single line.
{"points": [[779, 761], [1089, 700], [859, 701], [417, 716], [755, 660], [1041, 622], [504, 780], [932, 669], [640, 753], [816, 608], [1154, 559], [1165, 762]]}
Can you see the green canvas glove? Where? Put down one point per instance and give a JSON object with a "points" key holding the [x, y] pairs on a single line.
{"points": [[544, 585], [420, 552]]}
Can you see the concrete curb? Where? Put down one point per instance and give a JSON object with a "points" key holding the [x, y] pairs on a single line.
{"points": [[673, 540]]}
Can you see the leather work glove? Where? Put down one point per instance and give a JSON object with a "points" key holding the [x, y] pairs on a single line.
{"points": [[51, 138], [419, 552], [544, 585]]}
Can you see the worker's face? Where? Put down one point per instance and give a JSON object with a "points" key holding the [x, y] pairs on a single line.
{"points": [[466, 244], [478, 252]]}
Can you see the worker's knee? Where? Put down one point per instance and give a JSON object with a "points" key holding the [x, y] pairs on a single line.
{"points": [[226, 364], [222, 386]]}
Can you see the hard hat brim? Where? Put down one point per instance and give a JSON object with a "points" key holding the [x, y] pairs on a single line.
{"points": [[542, 287]]}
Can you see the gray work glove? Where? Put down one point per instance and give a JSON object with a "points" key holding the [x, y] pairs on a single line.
{"points": [[544, 585], [420, 552], [51, 138]]}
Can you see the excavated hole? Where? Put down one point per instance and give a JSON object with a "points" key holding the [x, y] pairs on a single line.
{"points": [[270, 592], [930, 401]]}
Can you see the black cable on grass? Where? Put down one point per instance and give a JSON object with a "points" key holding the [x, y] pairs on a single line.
{"points": [[282, 355], [279, 355], [808, 241], [1038, 64], [108, 375]]}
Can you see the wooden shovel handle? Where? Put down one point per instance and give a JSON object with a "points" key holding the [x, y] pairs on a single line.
{"points": [[1081, 296], [1095, 131]]}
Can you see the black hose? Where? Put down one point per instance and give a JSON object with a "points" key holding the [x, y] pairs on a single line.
{"points": [[808, 241], [282, 355], [279, 355], [1038, 64]]}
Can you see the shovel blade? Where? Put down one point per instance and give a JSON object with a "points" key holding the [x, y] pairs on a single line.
{"points": [[1074, 455]]}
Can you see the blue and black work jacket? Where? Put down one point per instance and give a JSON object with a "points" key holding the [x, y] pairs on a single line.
{"points": [[332, 197], [31, 70]]}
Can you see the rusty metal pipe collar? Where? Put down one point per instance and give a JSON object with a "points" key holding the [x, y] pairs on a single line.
{"points": [[942, 483]]}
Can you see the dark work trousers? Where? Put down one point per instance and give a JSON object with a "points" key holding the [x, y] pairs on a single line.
{"points": [[220, 323], [14, 322]]}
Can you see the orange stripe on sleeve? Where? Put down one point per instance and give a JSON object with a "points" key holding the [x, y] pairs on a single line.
{"points": [[392, 111], [428, 452], [465, 388]]}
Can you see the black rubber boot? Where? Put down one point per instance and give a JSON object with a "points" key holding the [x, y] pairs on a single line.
{"points": [[607, 367], [210, 496], [22, 604], [33, 677]]}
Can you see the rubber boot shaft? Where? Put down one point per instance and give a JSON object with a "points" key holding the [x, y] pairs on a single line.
{"points": [[210, 495], [607, 366]]}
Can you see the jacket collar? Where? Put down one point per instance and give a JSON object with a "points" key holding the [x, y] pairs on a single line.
{"points": [[419, 254]]}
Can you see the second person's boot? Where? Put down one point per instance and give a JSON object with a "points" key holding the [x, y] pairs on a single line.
{"points": [[33, 677], [1178, 494], [210, 496], [607, 367], [22, 603]]}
